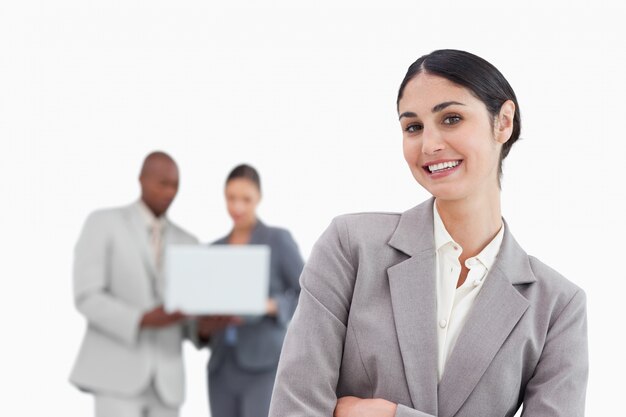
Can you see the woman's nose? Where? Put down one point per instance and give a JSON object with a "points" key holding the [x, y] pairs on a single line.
{"points": [[432, 142]]}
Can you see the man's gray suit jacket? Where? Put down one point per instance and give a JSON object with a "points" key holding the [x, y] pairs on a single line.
{"points": [[366, 326], [115, 283]]}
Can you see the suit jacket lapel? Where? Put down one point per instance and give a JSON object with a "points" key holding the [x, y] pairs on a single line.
{"points": [[413, 298], [497, 309], [259, 234]]}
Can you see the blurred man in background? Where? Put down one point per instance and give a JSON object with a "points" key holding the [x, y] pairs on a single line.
{"points": [[131, 358]]}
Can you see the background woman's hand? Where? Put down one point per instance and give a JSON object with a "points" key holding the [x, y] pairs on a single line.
{"points": [[271, 308], [207, 325], [364, 407]]}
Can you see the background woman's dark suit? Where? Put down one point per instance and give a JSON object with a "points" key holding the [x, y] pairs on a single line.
{"points": [[253, 358]]}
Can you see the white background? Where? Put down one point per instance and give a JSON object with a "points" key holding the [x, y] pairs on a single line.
{"points": [[306, 93]]}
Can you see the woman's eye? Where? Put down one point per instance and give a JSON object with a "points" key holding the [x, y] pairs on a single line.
{"points": [[451, 120], [414, 128]]}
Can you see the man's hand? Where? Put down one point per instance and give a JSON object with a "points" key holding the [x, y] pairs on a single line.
{"points": [[360, 407], [207, 325], [159, 318]]}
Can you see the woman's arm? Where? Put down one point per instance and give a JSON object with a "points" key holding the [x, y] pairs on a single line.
{"points": [[364, 407], [309, 366], [374, 407], [310, 361]]}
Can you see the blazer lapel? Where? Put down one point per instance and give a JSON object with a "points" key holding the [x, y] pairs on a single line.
{"points": [[497, 309], [259, 234], [413, 297]]}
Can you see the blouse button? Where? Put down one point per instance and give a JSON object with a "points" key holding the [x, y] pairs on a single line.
{"points": [[443, 323]]}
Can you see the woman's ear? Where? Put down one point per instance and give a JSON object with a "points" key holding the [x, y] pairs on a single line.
{"points": [[503, 127]]}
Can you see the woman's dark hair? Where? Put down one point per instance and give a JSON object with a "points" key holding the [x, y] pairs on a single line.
{"points": [[247, 172], [477, 75]]}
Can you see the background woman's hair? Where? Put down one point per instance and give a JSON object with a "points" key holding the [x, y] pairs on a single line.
{"points": [[245, 171], [477, 75]]}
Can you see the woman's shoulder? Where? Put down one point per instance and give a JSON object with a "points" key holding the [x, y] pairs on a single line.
{"points": [[366, 228], [550, 291], [552, 281], [369, 220], [276, 230], [274, 234]]}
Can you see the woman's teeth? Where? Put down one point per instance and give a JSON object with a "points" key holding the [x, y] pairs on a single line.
{"points": [[443, 165]]}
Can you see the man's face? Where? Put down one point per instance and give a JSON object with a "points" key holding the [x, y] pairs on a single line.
{"points": [[159, 185]]}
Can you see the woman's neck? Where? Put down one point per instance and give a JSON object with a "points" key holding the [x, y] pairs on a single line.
{"points": [[241, 233], [471, 222]]}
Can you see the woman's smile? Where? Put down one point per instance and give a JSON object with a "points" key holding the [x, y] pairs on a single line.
{"points": [[442, 168]]}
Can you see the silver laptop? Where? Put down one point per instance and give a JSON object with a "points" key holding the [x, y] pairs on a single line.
{"points": [[220, 279]]}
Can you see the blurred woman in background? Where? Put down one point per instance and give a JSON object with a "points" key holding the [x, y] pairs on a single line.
{"points": [[245, 353]]}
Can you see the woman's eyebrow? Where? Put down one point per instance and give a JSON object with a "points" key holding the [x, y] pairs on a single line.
{"points": [[407, 114], [445, 104], [435, 109]]}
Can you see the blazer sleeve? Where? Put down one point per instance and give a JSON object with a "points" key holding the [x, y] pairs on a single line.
{"points": [[308, 370], [102, 310], [558, 385], [290, 265]]}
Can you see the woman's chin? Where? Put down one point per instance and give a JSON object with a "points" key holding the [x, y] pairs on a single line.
{"points": [[446, 192]]}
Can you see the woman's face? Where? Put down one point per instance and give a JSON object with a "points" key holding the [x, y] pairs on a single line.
{"points": [[449, 141], [242, 198]]}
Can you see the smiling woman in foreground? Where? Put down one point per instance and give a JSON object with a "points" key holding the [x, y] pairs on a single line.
{"points": [[437, 311]]}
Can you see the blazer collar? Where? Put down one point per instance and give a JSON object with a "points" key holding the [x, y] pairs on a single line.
{"points": [[512, 260], [414, 302], [258, 235], [414, 233]]}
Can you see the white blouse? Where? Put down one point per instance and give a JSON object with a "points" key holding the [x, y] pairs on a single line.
{"points": [[454, 304]]}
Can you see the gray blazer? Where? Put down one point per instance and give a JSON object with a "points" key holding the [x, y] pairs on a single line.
{"points": [[260, 339], [366, 326], [115, 283]]}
